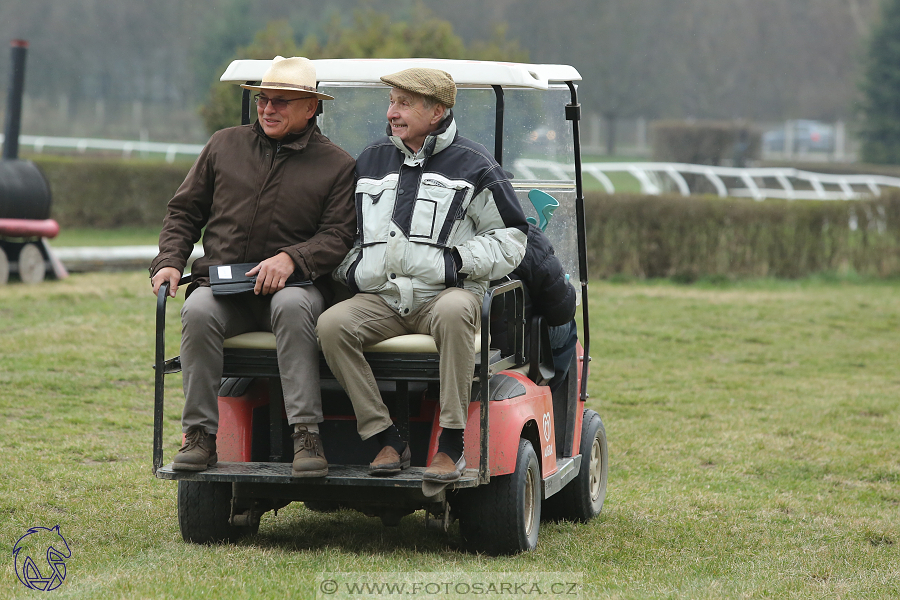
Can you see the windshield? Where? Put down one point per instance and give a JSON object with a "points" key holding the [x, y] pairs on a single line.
{"points": [[535, 129]]}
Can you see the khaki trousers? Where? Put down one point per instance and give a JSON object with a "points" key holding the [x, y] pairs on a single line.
{"points": [[452, 318], [206, 321]]}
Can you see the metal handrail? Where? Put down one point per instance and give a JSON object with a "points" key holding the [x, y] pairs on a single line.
{"points": [[485, 372], [126, 147], [753, 179]]}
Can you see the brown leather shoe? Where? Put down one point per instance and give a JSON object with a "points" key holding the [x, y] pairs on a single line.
{"points": [[309, 458], [443, 469], [388, 462], [198, 452]]}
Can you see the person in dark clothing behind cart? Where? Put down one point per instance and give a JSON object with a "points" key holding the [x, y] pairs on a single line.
{"points": [[549, 294]]}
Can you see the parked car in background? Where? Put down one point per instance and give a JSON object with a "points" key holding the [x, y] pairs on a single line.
{"points": [[804, 135]]}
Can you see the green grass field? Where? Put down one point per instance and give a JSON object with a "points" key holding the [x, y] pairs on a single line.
{"points": [[623, 182], [122, 236], [754, 437]]}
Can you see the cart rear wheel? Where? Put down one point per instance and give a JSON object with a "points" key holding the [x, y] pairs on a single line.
{"points": [[4, 267], [203, 512], [582, 498], [504, 516], [31, 264]]}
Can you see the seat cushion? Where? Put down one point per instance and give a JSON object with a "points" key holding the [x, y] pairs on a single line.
{"points": [[418, 343], [253, 340]]}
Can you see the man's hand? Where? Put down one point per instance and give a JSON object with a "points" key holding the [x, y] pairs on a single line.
{"points": [[170, 274], [272, 273]]}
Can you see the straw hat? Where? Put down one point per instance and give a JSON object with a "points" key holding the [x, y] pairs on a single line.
{"points": [[290, 74], [433, 83]]}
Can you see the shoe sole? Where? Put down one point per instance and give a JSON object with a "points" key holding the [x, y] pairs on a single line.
{"points": [[177, 466], [442, 479], [391, 469], [304, 474], [190, 467], [450, 477]]}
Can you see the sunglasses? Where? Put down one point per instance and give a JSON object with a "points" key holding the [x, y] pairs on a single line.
{"points": [[277, 103]]}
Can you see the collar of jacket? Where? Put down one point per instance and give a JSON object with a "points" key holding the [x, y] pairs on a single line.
{"points": [[436, 141], [296, 141]]}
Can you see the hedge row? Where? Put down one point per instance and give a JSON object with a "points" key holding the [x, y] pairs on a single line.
{"points": [[687, 238], [633, 235], [106, 194]]}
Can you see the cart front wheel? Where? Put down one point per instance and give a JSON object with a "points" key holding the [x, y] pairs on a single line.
{"points": [[203, 511], [582, 498], [504, 517]]}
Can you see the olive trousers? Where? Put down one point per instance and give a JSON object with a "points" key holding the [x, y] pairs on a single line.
{"points": [[451, 318], [206, 320]]}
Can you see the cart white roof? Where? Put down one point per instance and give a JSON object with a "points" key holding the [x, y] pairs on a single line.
{"points": [[466, 73]]}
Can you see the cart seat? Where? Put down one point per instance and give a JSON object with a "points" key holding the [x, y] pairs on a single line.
{"points": [[413, 357], [415, 343]]}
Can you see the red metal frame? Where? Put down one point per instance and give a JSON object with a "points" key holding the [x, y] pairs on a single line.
{"points": [[26, 228]]}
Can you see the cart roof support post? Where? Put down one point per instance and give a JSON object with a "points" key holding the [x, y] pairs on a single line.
{"points": [[573, 113], [498, 124]]}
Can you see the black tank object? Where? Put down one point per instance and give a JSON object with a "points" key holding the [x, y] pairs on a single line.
{"points": [[24, 193]]}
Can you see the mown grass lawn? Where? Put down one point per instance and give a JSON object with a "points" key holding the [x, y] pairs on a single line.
{"points": [[753, 435], [122, 236]]}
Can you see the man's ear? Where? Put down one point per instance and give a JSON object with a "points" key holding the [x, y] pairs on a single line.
{"points": [[313, 106], [439, 111]]}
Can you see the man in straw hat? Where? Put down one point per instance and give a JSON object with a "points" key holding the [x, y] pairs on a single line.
{"points": [[277, 193], [439, 221]]}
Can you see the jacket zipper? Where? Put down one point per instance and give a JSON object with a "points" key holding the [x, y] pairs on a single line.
{"points": [[259, 195]]}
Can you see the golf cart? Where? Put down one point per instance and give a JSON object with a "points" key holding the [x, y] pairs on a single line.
{"points": [[538, 454]]}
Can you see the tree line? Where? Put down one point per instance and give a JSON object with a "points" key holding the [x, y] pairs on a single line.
{"points": [[750, 59]]}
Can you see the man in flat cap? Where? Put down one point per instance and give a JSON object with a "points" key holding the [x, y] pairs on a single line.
{"points": [[438, 221], [277, 193]]}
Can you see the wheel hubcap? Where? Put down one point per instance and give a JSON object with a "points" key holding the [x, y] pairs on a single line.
{"points": [[596, 469], [529, 502]]}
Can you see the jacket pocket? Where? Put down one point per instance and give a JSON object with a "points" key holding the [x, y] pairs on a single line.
{"points": [[439, 204], [423, 219], [374, 202]]}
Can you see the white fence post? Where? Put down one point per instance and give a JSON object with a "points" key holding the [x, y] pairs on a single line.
{"points": [[840, 139]]}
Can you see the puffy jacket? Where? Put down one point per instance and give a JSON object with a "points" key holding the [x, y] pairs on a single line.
{"points": [[547, 291], [257, 197], [415, 209], [543, 276]]}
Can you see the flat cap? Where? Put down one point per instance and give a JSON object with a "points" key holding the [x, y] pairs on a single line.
{"points": [[433, 83]]}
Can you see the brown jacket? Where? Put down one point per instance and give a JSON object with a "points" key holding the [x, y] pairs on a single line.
{"points": [[256, 198]]}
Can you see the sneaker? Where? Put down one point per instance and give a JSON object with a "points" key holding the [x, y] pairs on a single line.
{"points": [[309, 458], [388, 462], [444, 470], [198, 452]]}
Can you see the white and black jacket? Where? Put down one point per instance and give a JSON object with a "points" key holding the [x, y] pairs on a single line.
{"points": [[415, 210]]}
